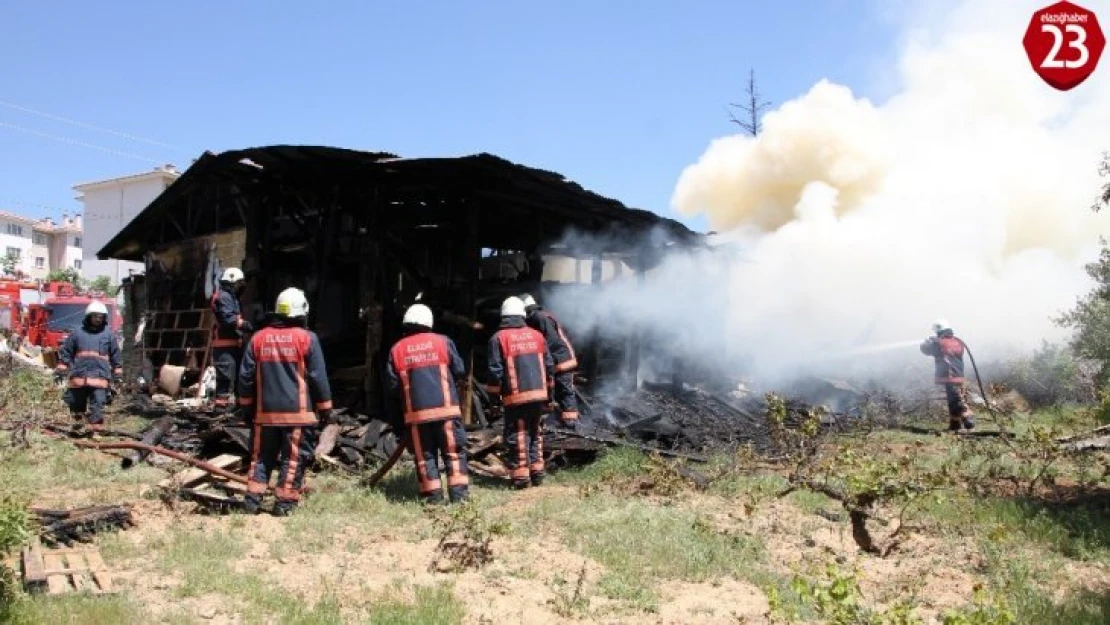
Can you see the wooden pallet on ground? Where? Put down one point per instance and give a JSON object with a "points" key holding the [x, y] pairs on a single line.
{"points": [[61, 571]]}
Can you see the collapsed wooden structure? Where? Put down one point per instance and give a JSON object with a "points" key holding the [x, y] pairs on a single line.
{"points": [[366, 235]]}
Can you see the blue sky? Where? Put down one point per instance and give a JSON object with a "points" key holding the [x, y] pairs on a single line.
{"points": [[618, 95]]}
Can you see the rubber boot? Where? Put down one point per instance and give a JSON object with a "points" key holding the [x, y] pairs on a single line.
{"points": [[538, 478], [459, 494]]}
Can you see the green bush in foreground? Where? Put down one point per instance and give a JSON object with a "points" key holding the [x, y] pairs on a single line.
{"points": [[14, 532]]}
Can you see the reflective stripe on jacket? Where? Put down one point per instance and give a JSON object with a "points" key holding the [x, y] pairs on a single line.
{"points": [[422, 370], [229, 318], [562, 352], [948, 357], [90, 358], [520, 365], [284, 377]]}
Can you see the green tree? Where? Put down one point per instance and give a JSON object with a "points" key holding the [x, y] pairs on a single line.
{"points": [[64, 275], [1090, 319], [102, 284], [9, 262]]}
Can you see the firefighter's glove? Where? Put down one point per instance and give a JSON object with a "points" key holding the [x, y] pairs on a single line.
{"points": [[117, 380], [59, 376], [246, 327], [325, 417]]}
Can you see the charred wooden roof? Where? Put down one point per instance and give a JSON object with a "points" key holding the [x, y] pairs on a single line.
{"points": [[518, 205]]}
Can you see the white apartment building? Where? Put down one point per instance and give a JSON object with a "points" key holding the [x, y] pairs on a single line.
{"points": [[41, 245], [109, 206]]}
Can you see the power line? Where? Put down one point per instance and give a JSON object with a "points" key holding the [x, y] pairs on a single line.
{"points": [[80, 143], [88, 126], [13, 202]]}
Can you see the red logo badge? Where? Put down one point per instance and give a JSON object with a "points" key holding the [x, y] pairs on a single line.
{"points": [[1064, 43]]}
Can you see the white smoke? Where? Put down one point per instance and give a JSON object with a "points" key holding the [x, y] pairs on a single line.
{"points": [[966, 195]]}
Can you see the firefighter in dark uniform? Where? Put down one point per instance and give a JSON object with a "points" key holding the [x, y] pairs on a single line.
{"points": [[948, 355], [562, 352], [283, 383], [424, 375], [90, 359], [227, 335], [520, 370]]}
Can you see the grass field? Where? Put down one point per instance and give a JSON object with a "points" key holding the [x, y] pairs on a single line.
{"points": [[620, 541]]}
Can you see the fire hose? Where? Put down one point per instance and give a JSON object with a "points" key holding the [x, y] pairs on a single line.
{"points": [[978, 380]]}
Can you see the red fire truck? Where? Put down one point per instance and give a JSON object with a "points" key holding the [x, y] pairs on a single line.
{"points": [[61, 311], [14, 296]]}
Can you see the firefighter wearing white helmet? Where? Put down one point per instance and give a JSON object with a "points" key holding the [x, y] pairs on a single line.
{"points": [[97, 308], [947, 351], [562, 352], [232, 275], [292, 303], [228, 334], [286, 398], [426, 407], [520, 373], [418, 315], [512, 307], [89, 359]]}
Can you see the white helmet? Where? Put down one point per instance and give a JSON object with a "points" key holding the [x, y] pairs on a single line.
{"points": [[418, 315], [512, 307], [291, 303], [96, 308], [940, 325], [528, 300], [232, 274]]}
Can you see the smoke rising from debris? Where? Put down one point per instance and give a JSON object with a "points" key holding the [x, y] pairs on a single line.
{"points": [[849, 223]]}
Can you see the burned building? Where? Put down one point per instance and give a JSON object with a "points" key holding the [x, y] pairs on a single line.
{"points": [[366, 235]]}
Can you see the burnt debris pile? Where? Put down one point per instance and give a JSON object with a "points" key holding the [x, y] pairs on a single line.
{"points": [[683, 422], [695, 423], [80, 524]]}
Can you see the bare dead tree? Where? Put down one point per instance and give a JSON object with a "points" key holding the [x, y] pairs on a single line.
{"points": [[752, 109], [1104, 194]]}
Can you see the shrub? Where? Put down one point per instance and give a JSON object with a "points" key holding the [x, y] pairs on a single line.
{"points": [[1054, 374]]}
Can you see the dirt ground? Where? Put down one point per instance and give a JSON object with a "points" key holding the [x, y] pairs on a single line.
{"points": [[588, 546]]}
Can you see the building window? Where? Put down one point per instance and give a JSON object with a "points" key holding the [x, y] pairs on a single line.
{"points": [[77, 263], [13, 251], [76, 241], [40, 262], [40, 238], [15, 229]]}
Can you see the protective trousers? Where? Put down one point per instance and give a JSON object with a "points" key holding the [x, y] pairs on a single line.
{"points": [[565, 399], [958, 411], [87, 399], [432, 441], [286, 448], [524, 438], [225, 360]]}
